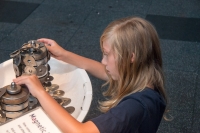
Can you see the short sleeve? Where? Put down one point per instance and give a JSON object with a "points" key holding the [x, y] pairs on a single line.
{"points": [[126, 117]]}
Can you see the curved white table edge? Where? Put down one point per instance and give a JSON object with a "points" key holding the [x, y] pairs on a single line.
{"points": [[87, 88]]}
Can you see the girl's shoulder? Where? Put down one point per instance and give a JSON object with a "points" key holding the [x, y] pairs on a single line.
{"points": [[141, 109], [149, 98]]}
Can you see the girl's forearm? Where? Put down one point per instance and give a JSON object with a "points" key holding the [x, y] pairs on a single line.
{"points": [[93, 67], [64, 121]]}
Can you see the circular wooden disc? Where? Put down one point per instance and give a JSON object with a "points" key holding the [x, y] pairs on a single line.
{"points": [[17, 98], [30, 70], [49, 78], [41, 70], [70, 109], [14, 114], [15, 107], [29, 61], [16, 69], [53, 87], [15, 53], [32, 102], [58, 93], [66, 101]]}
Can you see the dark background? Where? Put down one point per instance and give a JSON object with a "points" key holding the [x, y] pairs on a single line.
{"points": [[77, 25]]}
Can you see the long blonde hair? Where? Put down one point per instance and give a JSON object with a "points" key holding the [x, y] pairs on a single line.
{"points": [[127, 36]]}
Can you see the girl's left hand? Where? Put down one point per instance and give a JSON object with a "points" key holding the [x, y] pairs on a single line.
{"points": [[32, 82]]}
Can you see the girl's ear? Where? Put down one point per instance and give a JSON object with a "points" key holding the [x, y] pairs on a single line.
{"points": [[133, 58]]}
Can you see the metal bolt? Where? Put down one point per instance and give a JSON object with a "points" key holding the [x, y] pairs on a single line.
{"points": [[33, 44], [13, 85]]}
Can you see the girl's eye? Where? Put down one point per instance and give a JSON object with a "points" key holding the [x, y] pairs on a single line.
{"points": [[105, 55]]}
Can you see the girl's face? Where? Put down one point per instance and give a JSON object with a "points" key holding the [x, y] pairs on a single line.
{"points": [[109, 60]]}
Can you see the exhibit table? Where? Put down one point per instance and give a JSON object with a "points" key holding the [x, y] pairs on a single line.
{"points": [[72, 80]]}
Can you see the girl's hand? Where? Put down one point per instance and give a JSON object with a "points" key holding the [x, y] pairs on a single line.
{"points": [[55, 50], [32, 82]]}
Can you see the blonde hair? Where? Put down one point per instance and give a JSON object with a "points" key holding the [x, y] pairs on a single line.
{"points": [[127, 36]]}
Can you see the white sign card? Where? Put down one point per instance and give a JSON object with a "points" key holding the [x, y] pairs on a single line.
{"points": [[35, 121]]}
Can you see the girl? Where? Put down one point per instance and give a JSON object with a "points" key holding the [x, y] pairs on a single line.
{"points": [[131, 65]]}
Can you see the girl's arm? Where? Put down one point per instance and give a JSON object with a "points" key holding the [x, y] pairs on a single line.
{"points": [[93, 67], [64, 121]]}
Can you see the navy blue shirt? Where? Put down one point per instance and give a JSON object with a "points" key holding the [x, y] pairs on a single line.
{"points": [[140, 112]]}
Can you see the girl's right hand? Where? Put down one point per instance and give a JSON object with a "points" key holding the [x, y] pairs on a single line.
{"points": [[55, 50], [32, 82]]}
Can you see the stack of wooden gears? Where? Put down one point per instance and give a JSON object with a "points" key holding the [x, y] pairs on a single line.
{"points": [[31, 58], [14, 101]]}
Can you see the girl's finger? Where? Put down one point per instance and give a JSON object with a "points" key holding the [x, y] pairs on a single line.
{"points": [[20, 82], [45, 40], [19, 78]]}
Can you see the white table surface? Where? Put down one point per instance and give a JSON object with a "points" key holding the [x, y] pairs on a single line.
{"points": [[74, 81]]}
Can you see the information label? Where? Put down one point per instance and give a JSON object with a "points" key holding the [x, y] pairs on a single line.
{"points": [[35, 121]]}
